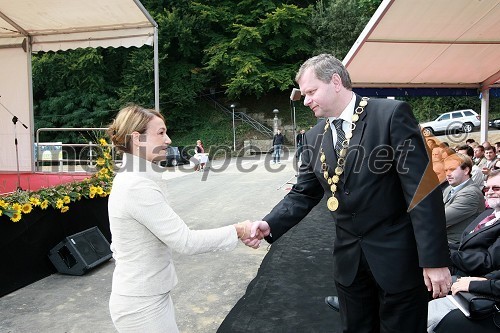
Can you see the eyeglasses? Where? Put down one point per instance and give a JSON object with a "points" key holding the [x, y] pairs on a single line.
{"points": [[494, 188]]}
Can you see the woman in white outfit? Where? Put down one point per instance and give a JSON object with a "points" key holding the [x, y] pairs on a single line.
{"points": [[145, 229]]}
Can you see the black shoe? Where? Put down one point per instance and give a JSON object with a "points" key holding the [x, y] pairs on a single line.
{"points": [[332, 302]]}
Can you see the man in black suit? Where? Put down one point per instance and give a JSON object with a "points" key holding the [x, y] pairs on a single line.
{"points": [[301, 141], [369, 158]]}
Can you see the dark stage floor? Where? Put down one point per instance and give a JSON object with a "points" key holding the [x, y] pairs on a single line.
{"points": [[288, 293]]}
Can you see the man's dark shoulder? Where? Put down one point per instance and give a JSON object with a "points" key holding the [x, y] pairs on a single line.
{"points": [[387, 103], [387, 109], [318, 129]]}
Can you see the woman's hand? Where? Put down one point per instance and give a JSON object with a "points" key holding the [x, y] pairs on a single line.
{"points": [[462, 283], [243, 230]]}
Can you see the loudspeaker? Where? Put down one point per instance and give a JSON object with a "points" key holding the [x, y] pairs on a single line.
{"points": [[79, 253]]}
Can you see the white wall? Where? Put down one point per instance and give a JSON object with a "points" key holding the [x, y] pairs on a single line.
{"points": [[15, 97]]}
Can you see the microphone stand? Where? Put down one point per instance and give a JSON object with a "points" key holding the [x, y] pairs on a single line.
{"points": [[15, 120]]}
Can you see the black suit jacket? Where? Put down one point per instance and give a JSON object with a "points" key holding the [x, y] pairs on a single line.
{"points": [[386, 160], [479, 252]]}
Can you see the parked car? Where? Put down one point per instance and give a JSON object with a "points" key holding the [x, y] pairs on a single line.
{"points": [[495, 123], [461, 120], [176, 156]]}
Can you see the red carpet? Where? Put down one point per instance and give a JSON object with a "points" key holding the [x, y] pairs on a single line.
{"points": [[36, 181]]}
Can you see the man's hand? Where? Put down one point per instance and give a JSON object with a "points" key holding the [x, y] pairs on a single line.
{"points": [[438, 280], [243, 230], [260, 227]]}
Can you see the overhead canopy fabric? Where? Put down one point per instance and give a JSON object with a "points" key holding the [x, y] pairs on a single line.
{"points": [[429, 43], [28, 26], [56, 25]]}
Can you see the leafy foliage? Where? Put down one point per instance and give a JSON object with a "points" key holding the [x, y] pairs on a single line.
{"points": [[242, 51], [338, 23]]}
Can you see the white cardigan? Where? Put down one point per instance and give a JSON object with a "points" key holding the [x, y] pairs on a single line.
{"points": [[145, 229]]}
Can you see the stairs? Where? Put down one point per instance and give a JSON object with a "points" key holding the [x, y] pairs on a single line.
{"points": [[241, 116]]}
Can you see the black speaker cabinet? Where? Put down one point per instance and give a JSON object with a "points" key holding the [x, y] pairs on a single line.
{"points": [[79, 253]]}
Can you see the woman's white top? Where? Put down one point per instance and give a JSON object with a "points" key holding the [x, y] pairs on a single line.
{"points": [[145, 230]]}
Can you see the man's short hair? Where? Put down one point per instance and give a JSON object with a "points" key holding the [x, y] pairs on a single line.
{"points": [[464, 160], [469, 150], [490, 148], [493, 173]]}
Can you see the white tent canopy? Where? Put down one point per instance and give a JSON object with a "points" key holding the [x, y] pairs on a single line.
{"points": [[432, 44], [28, 26]]}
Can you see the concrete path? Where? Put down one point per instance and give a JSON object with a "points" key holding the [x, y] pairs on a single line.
{"points": [[209, 284]]}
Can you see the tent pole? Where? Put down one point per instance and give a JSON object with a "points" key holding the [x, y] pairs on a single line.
{"points": [[485, 104], [157, 71]]}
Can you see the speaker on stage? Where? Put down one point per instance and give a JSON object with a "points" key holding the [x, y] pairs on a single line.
{"points": [[79, 253]]}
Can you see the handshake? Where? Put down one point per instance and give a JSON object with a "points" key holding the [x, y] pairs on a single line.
{"points": [[252, 233]]}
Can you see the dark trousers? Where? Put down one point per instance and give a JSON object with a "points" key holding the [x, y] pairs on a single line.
{"points": [[365, 307], [456, 322]]}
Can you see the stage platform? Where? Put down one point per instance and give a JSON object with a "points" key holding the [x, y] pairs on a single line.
{"points": [[288, 293], [37, 180]]}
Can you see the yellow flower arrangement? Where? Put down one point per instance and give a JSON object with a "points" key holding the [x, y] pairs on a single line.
{"points": [[17, 204]]}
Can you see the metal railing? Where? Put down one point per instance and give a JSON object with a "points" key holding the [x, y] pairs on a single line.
{"points": [[56, 155], [242, 117]]}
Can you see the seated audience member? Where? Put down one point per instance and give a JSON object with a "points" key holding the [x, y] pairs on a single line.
{"points": [[473, 144], [431, 143], [479, 250], [476, 174], [463, 200], [447, 152], [444, 145], [479, 158], [445, 317], [437, 154], [486, 144], [497, 147], [438, 168], [491, 159], [469, 141]]}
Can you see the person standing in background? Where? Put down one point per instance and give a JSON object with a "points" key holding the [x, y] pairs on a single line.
{"points": [[278, 141], [200, 156], [301, 142]]}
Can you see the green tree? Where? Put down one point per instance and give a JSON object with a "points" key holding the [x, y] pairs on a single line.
{"points": [[338, 23], [255, 46], [71, 89]]}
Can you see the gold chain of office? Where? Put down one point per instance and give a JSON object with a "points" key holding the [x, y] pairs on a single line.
{"points": [[333, 203]]}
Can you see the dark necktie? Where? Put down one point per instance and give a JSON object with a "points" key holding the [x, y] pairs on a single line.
{"points": [[340, 135], [483, 222]]}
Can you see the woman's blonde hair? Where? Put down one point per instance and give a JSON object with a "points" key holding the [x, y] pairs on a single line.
{"points": [[132, 118]]}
